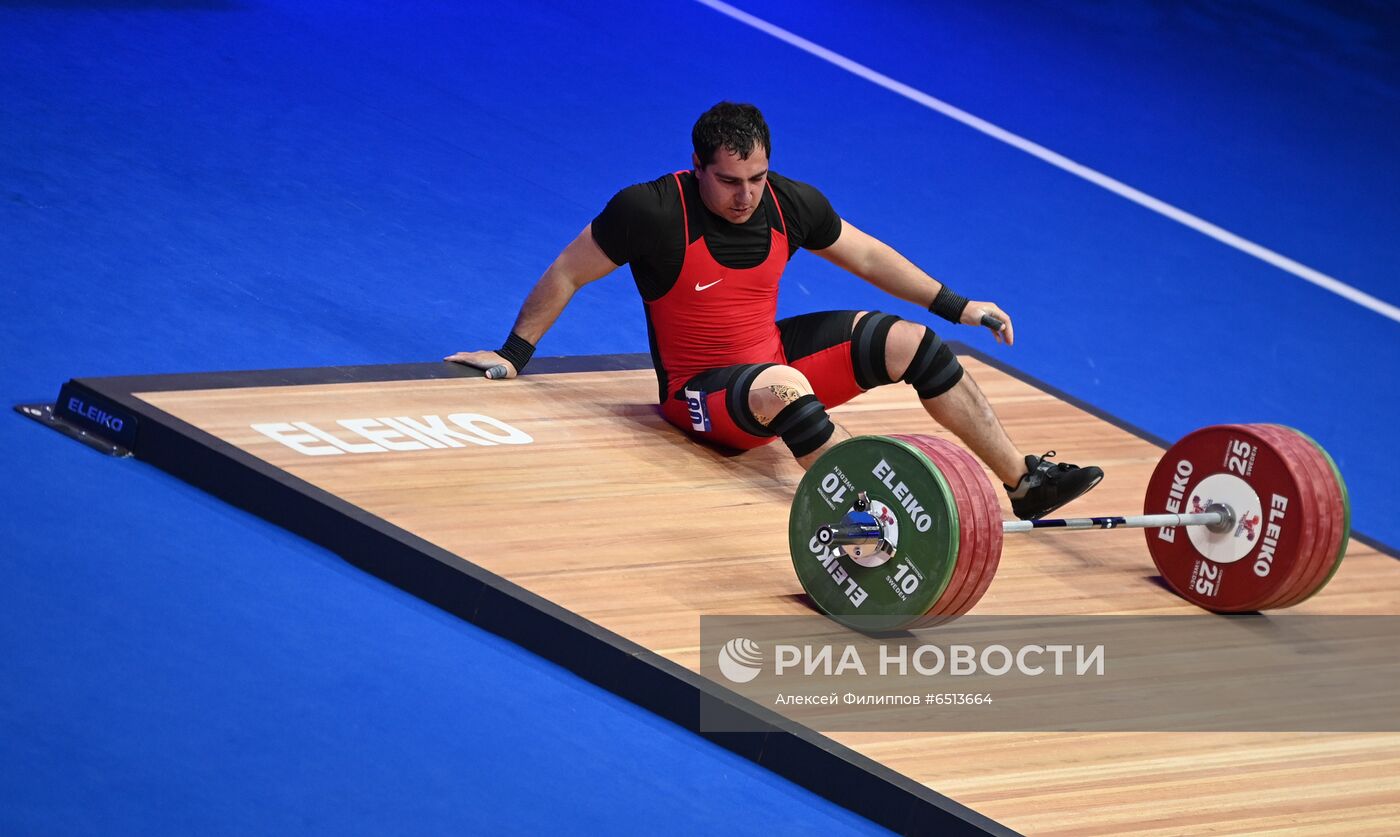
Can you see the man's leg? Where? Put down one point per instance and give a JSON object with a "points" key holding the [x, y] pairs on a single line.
{"points": [[849, 357], [913, 353], [838, 354], [781, 399], [963, 408]]}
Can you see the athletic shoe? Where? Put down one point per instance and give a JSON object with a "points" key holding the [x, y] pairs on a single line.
{"points": [[1049, 485]]}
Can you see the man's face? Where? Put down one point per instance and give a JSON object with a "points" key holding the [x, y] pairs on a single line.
{"points": [[732, 187]]}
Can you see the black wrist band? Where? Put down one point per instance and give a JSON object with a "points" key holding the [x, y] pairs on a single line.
{"points": [[948, 305], [517, 350]]}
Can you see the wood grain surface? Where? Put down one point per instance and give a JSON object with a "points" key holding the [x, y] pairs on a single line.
{"points": [[616, 516]]}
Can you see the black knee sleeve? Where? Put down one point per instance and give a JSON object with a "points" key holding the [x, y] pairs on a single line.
{"points": [[868, 349], [934, 369], [737, 387], [803, 424]]}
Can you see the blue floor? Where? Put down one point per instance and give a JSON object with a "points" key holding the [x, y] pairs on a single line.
{"points": [[198, 186]]}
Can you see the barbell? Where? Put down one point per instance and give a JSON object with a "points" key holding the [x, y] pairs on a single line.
{"points": [[897, 532]]}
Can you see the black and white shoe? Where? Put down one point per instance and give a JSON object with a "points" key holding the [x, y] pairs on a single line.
{"points": [[1049, 485]]}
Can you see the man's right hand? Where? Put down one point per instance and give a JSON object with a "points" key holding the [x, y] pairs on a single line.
{"points": [[496, 366]]}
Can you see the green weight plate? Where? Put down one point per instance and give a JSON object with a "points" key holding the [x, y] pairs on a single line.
{"points": [[880, 591]]}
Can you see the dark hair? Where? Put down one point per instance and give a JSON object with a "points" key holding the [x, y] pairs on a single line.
{"points": [[739, 128]]}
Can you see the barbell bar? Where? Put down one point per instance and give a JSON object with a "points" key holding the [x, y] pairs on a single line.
{"points": [[1218, 517]]}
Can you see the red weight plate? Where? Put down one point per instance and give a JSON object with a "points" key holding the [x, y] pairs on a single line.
{"points": [[1251, 564], [1313, 557], [980, 514], [1294, 573], [988, 521], [1340, 514], [1329, 511], [955, 461], [989, 555], [967, 526], [1302, 458]]}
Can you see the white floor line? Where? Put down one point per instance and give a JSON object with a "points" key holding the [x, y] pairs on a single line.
{"points": [[1060, 161]]}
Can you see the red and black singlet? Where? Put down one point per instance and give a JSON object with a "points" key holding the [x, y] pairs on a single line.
{"points": [[716, 316], [710, 287]]}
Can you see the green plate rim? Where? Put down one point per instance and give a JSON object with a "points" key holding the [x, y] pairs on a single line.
{"points": [[866, 622]]}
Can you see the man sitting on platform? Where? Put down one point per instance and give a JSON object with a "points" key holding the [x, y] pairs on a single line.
{"points": [[707, 249]]}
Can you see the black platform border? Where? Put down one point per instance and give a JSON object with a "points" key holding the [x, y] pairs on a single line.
{"points": [[476, 595]]}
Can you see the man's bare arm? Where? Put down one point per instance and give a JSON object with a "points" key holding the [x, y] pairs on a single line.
{"points": [[581, 262], [882, 266]]}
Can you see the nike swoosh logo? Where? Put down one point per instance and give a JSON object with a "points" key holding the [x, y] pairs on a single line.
{"points": [[700, 287]]}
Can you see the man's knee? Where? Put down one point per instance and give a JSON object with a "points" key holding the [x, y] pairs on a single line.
{"points": [[885, 348], [781, 399], [774, 389]]}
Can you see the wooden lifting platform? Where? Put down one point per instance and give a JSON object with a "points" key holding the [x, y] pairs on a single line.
{"points": [[560, 511]]}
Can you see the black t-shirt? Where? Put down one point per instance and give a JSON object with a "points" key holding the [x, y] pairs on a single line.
{"points": [[643, 225]]}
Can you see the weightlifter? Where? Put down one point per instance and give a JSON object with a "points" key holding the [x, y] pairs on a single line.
{"points": [[707, 249]]}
